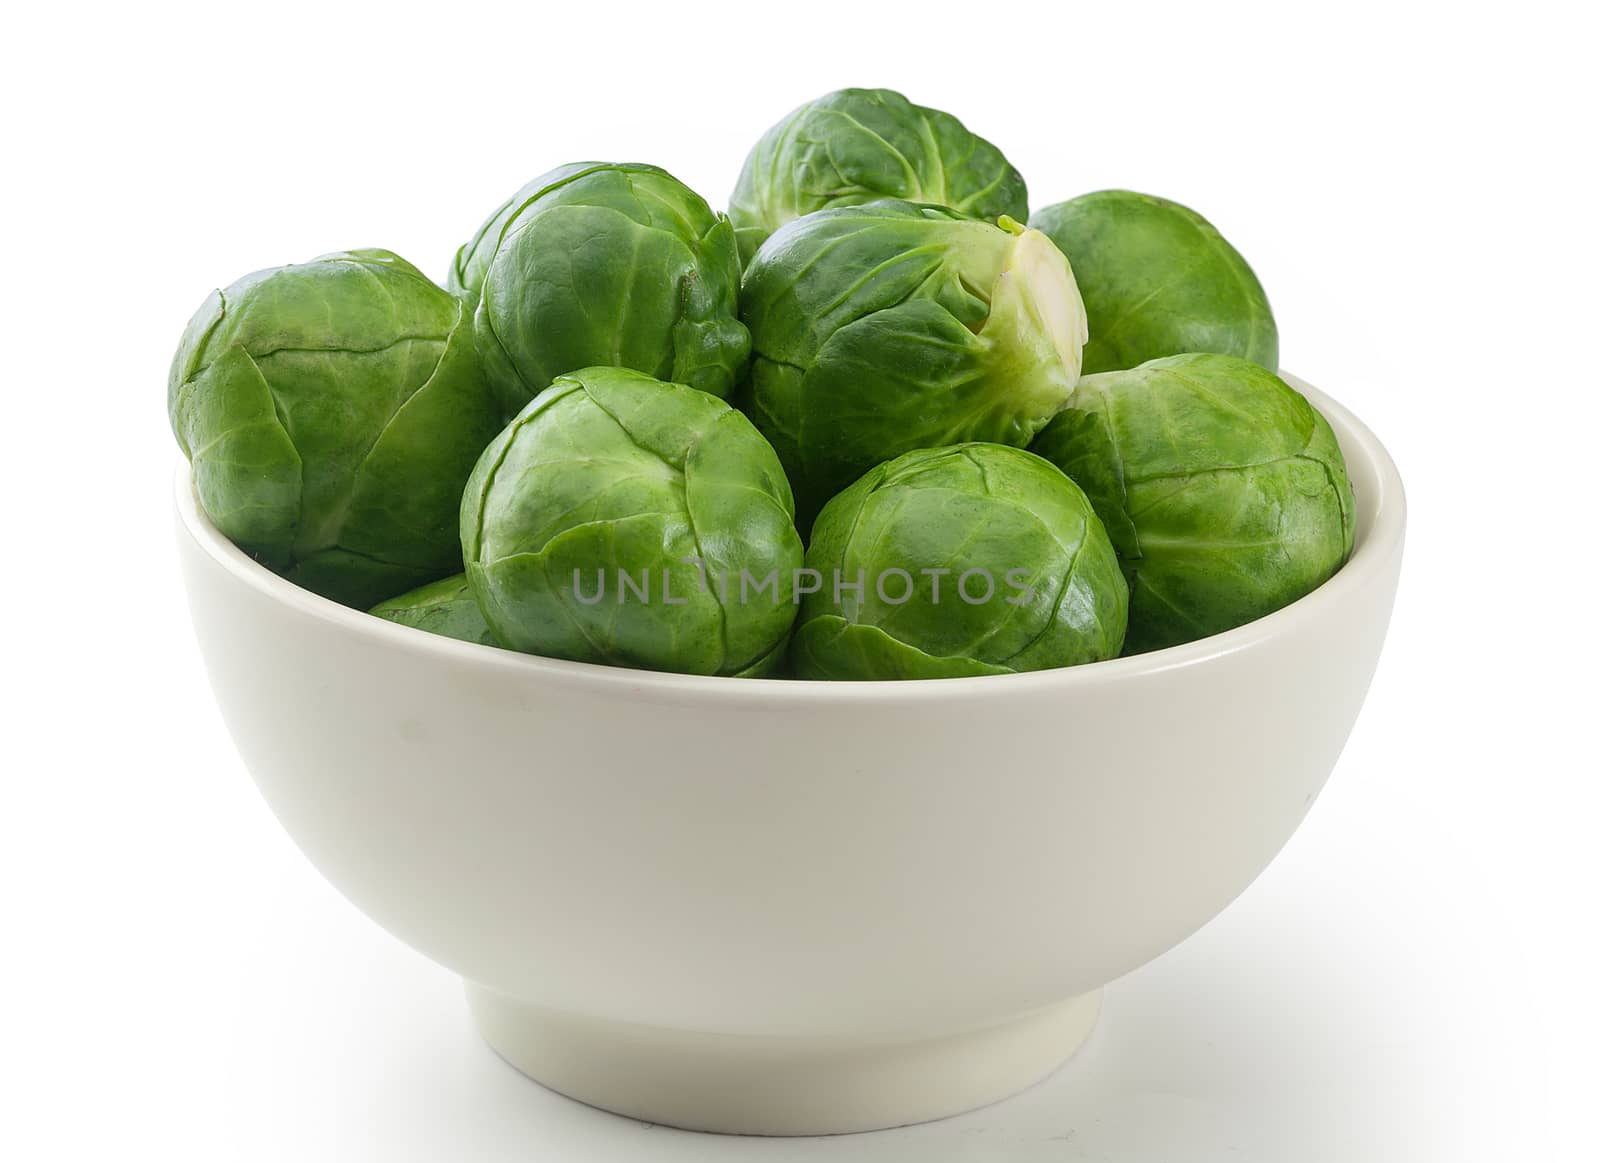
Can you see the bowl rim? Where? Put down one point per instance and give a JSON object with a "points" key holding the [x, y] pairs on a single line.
{"points": [[1380, 533]]}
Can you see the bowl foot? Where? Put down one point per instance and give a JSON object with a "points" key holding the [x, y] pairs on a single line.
{"points": [[736, 1084]]}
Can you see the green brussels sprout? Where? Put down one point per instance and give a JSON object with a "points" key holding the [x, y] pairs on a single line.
{"points": [[858, 145], [1222, 488], [623, 520], [1158, 280], [891, 326], [976, 559], [595, 264], [444, 607], [332, 411]]}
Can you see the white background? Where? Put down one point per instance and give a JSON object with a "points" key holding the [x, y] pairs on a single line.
{"points": [[1414, 979]]}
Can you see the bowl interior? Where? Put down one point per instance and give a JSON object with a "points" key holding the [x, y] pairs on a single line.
{"points": [[1380, 529]]}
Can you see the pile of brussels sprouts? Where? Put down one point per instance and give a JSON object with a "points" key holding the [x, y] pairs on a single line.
{"points": [[865, 425]]}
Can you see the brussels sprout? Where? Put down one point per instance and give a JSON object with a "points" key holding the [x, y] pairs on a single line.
{"points": [[1223, 490], [443, 607], [1158, 280], [332, 411], [627, 521], [596, 264], [892, 326], [977, 559], [858, 145]]}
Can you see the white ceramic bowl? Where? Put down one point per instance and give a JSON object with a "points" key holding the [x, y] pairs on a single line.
{"points": [[781, 907]]}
